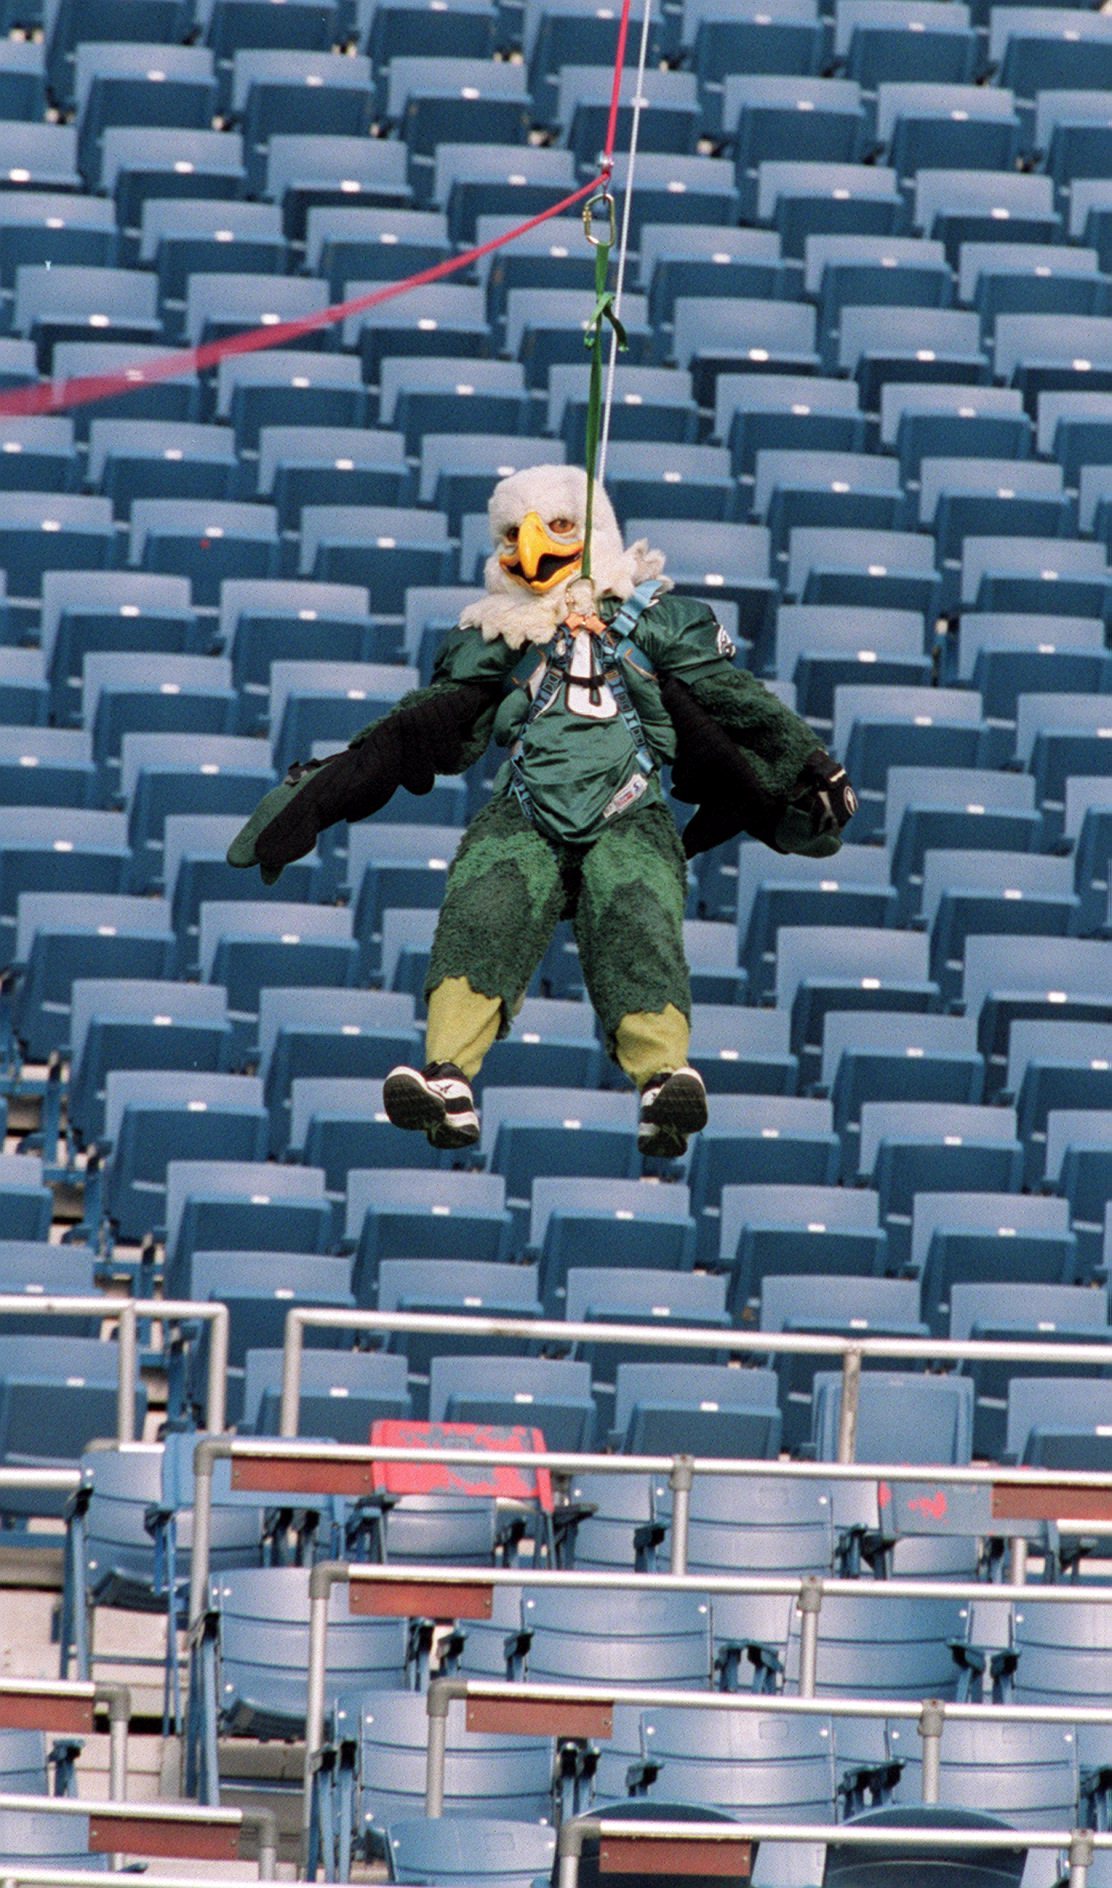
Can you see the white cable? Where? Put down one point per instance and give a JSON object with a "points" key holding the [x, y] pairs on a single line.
{"points": [[623, 248]]}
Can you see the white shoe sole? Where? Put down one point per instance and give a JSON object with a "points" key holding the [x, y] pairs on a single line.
{"points": [[411, 1101]]}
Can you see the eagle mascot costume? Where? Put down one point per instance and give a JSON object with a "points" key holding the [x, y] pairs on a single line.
{"points": [[592, 686]]}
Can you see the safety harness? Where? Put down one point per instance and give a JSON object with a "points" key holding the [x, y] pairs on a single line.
{"points": [[614, 643]]}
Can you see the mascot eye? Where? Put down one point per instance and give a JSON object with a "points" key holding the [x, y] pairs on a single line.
{"points": [[561, 526], [510, 534]]}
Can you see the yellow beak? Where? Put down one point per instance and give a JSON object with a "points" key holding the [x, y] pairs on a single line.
{"points": [[538, 560]]}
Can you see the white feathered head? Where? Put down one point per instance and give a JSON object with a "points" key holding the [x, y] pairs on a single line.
{"points": [[537, 526]]}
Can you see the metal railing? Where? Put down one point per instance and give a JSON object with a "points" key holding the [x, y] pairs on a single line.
{"points": [[161, 1829], [62, 1704], [125, 1313], [853, 1351]]}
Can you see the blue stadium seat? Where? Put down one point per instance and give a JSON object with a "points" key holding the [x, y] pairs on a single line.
{"points": [[37, 451], [135, 1024], [637, 1224], [248, 947], [997, 892], [1058, 1422], [921, 421], [46, 531], [258, 1289], [321, 93], [328, 702], [230, 1204], [347, 245], [924, 124], [1045, 353], [963, 206], [818, 649], [894, 271], [342, 1391], [1005, 655], [27, 1201], [216, 308], [626, 1638], [1056, 736], [1024, 1773], [803, 199], [24, 696], [154, 396], [305, 1032], [912, 1147], [1007, 497], [743, 1051], [864, 968], [1051, 1313], [448, 1851], [468, 395], [731, 561], [1006, 981], [1079, 1166], [387, 547], [903, 1416], [63, 935], [60, 849], [771, 1138], [130, 459], [1043, 48], [778, 1230], [554, 1394], [681, 189], [874, 41], [1075, 428], [303, 170], [388, 27], [1055, 1064], [895, 1056], [726, 40], [196, 869], [43, 156], [969, 808], [553, 1041], [125, 82], [887, 570], [607, 1294], [151, 1119], [787, 115], [47, 767], [511, 180], [786, 890], [396, 864], [879, 727], [837, 489], [264, 620], [62, 303], [820, 1302], [175, 694], [1054, 575], [1031, 278], [392, 1212], [436, 100], [162, 774], [669, 117], [340, 1123], [531, 1131], [53, 226], [206, 540], [967, 1239], [301, 465], [135, 165], [1086, 823], [881, 344], [178, 237], [289, 387]]}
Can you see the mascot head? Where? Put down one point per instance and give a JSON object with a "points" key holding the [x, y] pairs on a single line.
{"points": [[538, 521]]}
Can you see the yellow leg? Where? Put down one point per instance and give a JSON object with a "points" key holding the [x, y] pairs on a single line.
{"points": [[461, 1026], [651, 1042]]}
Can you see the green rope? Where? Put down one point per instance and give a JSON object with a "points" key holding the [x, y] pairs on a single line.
{"points": [[603, 311]]}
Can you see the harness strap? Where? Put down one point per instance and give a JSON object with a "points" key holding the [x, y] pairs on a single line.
{"points": [[616, 642]]}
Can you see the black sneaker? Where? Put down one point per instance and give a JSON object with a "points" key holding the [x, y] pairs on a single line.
{"points": [[437, 1098], [673, 1105]]}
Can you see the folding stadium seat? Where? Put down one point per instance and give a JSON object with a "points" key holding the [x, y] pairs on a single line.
{"points": [[301, 465], [419, 396], [289, 387], [1024, 1773], [1050, 1313], [388, 27], [1006, 983], [998, 893], [48, 1841], [127, 83], [555, 1392], [1087, 823], [922, 421], [229, 1204], [878, 344], [216, 308], [396, 864], [392, 1212], [1054, 1064], [231, 26], [1045, 353], [912, 1147], [846, 490], [432, 101], [860, 968], [53, 226], [37, 452], [774, 1230], [511, 180], [682, 189], [969, 809], [731, 561], [135, 165], [136, 1024], [1007, 497], [456, 489], [1051, 575], [452, 322], [1089, 214], [818, 1302], [346, 1033], [769, 1138], [1076, 429], [896, 271], [149, 1120], [60, 935], [772, 892], [328, 702], [1056, 736], [873, 41], [258, 1289], [45, 531], [977, 1239], [27, 1202], [746, 1763], [553, 1041], [47, 767], [22, 81], [651, 403], [340, 1123], [1058, 1422], [669, 116], [60, 849], [491, 1773], [635, 1222], [727, 40], [56, 1391], [876, 728], [802, 200], [263, 620], [24, 695], [877, 570], [206, 540], [961, 206], [162, 774], [1031, 278], [322, 93], [1006, 655], [43, 156], [545, 257], [624, 1637], [175, 694], [1094, 509], [251, 947], [304, 170], [743, 1051], [130, 459], [373, 245], [821, 650], [606, 1294], [385, 546], [789, 116], [342, 1392], [902, 1416], [254, 1657], [175, 397], [544, 329], [502, 1854], [890, 1056], [1037, 49], [406, 943], [1079, 1167], [707, 261], [530, 1131], [453, 1287], [924, 125]]}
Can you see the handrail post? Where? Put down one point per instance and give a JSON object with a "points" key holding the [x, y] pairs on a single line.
{"points": [[320, 1587], [1018, 1570], [569, 1848], [266, 1823], [215, 1388], [847, 1411], [680, 1480], [931, 1719], [1081, 1854], [118, 1699], [127, 1364], [203, 1456], [810, 1605], [437, 1704], [291, 1373]]}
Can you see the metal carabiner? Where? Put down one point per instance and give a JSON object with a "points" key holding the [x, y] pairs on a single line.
{"points": [[601, 203]]}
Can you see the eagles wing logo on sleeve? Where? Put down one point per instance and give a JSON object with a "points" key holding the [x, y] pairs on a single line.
{"points": [[723, 644]]}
